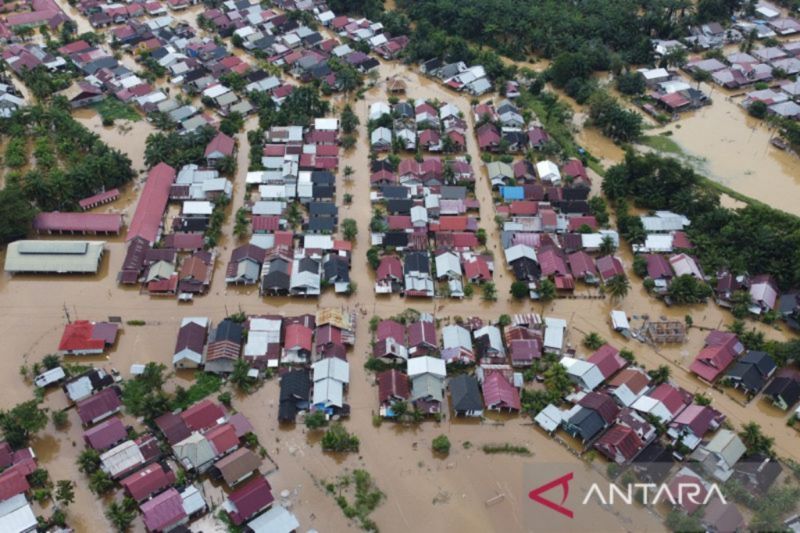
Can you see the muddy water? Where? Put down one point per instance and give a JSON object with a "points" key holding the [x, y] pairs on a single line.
{"points": [[34, 312], [734, 150]]}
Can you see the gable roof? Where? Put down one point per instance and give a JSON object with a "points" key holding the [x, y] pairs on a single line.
{"points": [[246, 501], [237, 465], [499, 392], [608, 360], [101, 404], [465, 393], [602, 403], [163, 511]]}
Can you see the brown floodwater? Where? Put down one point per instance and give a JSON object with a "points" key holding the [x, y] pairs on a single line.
{"points": [[443, 494]]}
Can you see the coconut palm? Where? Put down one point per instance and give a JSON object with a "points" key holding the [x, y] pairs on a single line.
{"points": [[618, 286], [121, 515], [607, 246], [755, 440], [660, 375]]}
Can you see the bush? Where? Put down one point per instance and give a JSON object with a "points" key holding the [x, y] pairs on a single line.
{"points": [[316, 420], [441, 444], [337, 439]]}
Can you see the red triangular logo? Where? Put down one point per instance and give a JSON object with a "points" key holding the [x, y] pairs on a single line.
{"points": [[563, 482]]}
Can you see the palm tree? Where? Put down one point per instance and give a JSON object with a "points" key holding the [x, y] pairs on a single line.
{"points": [[348, 172], [65, 492], [755, 440], [547, 290], [121, 515], [557, 380], [618, 287], [607, 246], [660, 375]]}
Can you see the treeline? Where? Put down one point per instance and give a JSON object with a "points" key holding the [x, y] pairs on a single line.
{"points": [[68, 163], [178, 149], [755, 239]]}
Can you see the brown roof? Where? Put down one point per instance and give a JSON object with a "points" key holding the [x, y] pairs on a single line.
{"points": [[392, 384], [635, 380], [237, 465], [195, 268]]}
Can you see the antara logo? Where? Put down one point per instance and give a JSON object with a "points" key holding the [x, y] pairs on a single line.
{"points": [[651, 493], [563, 482]]}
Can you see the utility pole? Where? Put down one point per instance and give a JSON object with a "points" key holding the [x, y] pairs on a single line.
{"points": [[66, 314]]}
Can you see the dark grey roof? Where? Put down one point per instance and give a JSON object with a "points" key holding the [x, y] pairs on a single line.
{"points": [[404, 109], [417, 262], [322, 177], [586, 423], [654, 463], [323, 191], [322, 224], [394, 192], [785, 388], [397, 239], [307, 264], [453, 192], [228, 330], [337, 269], [322, 209], [465, 394], [294, 395], [399, 207]]}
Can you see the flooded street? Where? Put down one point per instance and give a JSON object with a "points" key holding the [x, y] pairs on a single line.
{"points": [[442, 494]]}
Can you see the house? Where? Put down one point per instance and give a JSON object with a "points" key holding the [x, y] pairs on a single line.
{"points": [[489, 346], [721, 454], [654, 463], [584, 374], [422, 337], [629, 385], [499, 394], [620, 444], [393, 387], [465, 396], [224, 348], [524, 351], [99, 406], [548, 172], [190, 346], [457, 344], [87, 383], [129, 456], [752, 372], [763, 294], [16, 513], [245, 264], [164, 512], [275, 520], [381, 139], [692, 424], [247, 501], [105, 435], [203, 415], [664, 402], [499, 173], [608, 360], [147, 219], [83, 337], [555, 328], [427, 376], [238, 466], [757, 472], [331, 376], [294, 395], [722, 517], [297, 344], [220, 147], [593, 413], [686, 481], [195, 452], [784, 390], [721, 348], [148, 481]]}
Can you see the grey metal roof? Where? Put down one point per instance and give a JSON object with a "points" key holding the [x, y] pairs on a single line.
{"points": [[54, 256]]}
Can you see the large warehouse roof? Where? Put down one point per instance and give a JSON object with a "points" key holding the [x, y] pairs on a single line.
{"points": [[59, 257]]}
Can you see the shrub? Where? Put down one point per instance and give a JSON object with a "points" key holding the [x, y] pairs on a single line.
{"points": [[441, 444]]}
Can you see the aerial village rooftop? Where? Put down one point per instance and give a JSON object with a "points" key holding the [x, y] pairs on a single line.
{"points": [[252, 250]]}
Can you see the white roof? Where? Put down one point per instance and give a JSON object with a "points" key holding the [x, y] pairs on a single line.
{"points": [[79, 389], [588, 373], [549, 418], [456, 336], [655, 242], [519, 250], [378, 109], [554, 332], [272, 192], [318, 242], [276, 520], [215, 91], [495, 337], [50, 376], [448, 263], [16, 514], [620, 320], [331, 368], [664, 221], [192, 500], [646, 404], [268, 208], [328, 392], [548, 171], [258, 342], [727, 445], [653, 73], [326, 124], [193, 207], [121, 458], [594, 240], [683, 264], [381, 135], [673, 86], [426, 365]]}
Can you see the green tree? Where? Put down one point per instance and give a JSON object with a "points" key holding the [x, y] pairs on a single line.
{"points": [[489, 292], [65, 492], [88, 461], [239, 377], [519, 290], [755, 440], [687, 289], [121, 514], [51, 361], [441, 445], [593, 341], [60, 419], [349, 229], [546, 290], [660, 375], [100, 483], [337, 439], [557, 381], [618, 287], [607, 245], [22, 421], [349, 120], [16, 215], [316, 420]]}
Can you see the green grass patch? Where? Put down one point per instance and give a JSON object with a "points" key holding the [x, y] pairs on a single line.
{"points": [[205, 384], [506, 448], [357, 496], [111, 109], [662, 143], [135, 322]]}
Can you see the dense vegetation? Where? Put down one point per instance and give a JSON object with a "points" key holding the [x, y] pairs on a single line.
{"points": [[755, 239], [66, 162], [178, 149]]}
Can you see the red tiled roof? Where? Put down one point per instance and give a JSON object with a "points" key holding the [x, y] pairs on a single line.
{"points": [[104, 402], [12, 482], [221, 143], [103, 435], [222, 437], [152, 203], [523, 208], [391, 328], [498, 392], [477, 268], [202, 415], [184, 241], [163, 511], [608, 360], [396, 222], [551, 263], [254, 496], [390, 266], [392, 384], [671, 397], [581, 264], [453, 223], [609, 266], [298, 335], [147, 481], [619, 439], [635, 381], [601, 403], [575, 223], [525, 350], [97, 199], [83, 335], [421, 332], [173, 427]]}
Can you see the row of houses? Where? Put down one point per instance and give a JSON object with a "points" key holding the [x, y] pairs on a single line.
{"points": [[32, 14], [16, 513], [409, 125], [503, 129], [458, 76]]}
